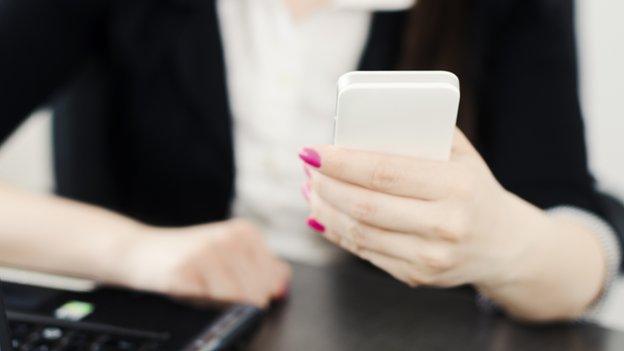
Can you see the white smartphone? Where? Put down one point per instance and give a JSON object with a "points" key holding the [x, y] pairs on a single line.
{"points": [[400, 112]]}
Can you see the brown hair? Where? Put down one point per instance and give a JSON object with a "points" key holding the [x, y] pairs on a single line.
{"points": [[438, 37]]}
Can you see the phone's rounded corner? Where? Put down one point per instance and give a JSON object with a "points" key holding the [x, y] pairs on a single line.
{"points": [[452, 78], [345, 80]]}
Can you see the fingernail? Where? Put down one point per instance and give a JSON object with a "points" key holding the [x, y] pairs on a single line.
{"points": [[305, 190], [311, 157], [316, 225]]}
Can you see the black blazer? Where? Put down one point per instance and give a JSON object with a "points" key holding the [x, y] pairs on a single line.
{"points": [[142, 122]]}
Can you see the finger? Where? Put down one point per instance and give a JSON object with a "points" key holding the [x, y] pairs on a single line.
{"points": [[388, 212], [263, 263], [275, 274], [239, 277], [253, 282], [190, 284], [432, 258], [399, 269], [220, 285], [270, 274], [356, 236], [392, 265], [391, 174]]}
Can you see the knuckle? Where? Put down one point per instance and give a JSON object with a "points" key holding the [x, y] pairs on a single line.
{"points": [[384, 176], [333, 237], [340, 167], [412, 282], [425, 279], [453, 227], [356, 233], [417, 278], [318, 184], [363, 210], [447, 232], [439, 261], [349, 245], [458, 225]]}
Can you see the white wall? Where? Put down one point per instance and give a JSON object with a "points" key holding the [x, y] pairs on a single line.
{"points": [[601, 40]]}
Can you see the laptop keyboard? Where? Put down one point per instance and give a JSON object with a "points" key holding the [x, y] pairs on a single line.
{"points": [[43, 334]]}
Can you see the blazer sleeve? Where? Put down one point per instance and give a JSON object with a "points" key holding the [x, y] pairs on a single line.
{"points": [[531, 131], [42, 42]]}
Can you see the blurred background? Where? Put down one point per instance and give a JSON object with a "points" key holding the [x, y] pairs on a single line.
{"points": [[25, 160]]}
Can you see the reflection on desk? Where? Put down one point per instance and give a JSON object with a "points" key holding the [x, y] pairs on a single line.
{"points": [[352, 307]]}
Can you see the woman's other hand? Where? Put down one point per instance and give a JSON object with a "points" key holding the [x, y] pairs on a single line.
{"points": [[223, 262], [446, 224]]}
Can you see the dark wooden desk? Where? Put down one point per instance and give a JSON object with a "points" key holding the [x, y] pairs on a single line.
{"points": [[351, 307]]}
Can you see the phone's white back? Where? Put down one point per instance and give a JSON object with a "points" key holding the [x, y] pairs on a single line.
{"points": [[407, 113]]}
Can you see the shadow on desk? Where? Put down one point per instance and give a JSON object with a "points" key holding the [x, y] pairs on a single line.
{"points": [[349, 307]]}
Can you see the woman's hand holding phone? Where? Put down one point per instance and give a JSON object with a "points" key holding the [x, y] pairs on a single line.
{"points": [[446, 224]]}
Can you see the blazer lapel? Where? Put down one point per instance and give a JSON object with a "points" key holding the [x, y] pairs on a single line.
{"points": [[383, 48]]}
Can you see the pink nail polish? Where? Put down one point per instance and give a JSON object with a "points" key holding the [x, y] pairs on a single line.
{"points": [[305, 190], [316, 225], [311, 157]]}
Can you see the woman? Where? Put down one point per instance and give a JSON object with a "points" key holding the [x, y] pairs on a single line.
{"points": [[148, 127]]}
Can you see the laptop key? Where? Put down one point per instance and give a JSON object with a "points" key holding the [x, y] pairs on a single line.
{"points": [[49, 336], [52, 333]]}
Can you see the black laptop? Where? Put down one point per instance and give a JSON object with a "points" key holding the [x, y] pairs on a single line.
{"points": [[42, 319]]}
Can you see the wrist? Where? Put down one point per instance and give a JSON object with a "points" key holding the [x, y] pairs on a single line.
{"points": [[556, 273], [515, 239], [118, 254]]}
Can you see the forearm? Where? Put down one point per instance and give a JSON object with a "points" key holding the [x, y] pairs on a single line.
{"points": [[56, 235], [559, 277]]}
